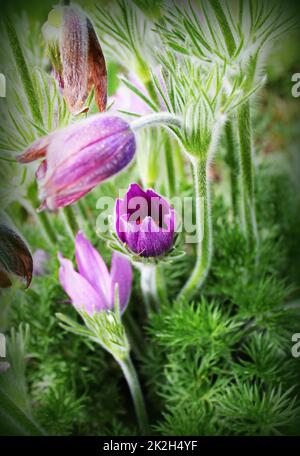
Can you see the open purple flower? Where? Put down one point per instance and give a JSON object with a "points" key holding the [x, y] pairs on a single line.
{"points": [[145, 222], [92, 289], [79, 157]]}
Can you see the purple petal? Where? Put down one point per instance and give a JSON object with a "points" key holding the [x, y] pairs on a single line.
{"points": [[127, 204], [121, 274], [83, 155], [53, 202], [68, 142], [92, 267], [94, 163], [118, 223], [153, 241], [130, 233], [135, 191], [159, 208], [82, 294]]}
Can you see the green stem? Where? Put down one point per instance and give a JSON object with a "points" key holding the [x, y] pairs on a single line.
{"points": [[170, 168], [136, 393], [85, 213], [23, 71], [203, 230], [233, 163], [156, 118], [42, 218], [149, 286], [246, 174], [135, 337], [161, 286], [70, 218], [46, 224]]}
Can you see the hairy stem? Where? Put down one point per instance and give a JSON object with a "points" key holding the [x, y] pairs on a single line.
{"points": [[159, 118], [233, 163], [169, 159], [203, 230], [149, 285], [170, 168], [70, 218], [136, 393], [85, 213], [42, 218], [23, 71], [246, 174]]}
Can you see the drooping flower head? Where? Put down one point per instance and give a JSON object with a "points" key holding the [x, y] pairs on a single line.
{"points": [[76, 56], [92, 288], [145, 222], [79, 157]]}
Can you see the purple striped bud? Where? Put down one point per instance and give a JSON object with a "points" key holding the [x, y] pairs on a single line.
{"points": [[79, 157], [76, 56], [145, 222]]}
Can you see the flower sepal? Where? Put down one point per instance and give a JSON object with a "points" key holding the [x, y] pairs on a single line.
{"points": [[104, 328], [113, 241]]}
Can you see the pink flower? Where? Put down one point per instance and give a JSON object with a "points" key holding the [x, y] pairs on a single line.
{"points": [[126, 100], [92, 289]]}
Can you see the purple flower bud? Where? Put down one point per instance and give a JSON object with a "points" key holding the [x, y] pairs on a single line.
{"points": [[92, 289], [145, 222], [79, 157], [76, 56]]}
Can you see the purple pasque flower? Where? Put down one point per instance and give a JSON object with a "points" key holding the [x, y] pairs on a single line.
{"points": [[92, 288], [126, 100], [76, 56], [145, 221], [79, 157]]}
